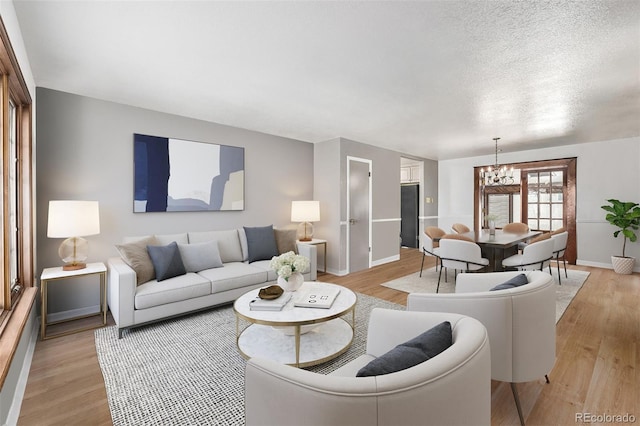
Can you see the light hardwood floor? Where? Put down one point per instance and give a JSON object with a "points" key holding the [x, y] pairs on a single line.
{"points": [[597, 370]]}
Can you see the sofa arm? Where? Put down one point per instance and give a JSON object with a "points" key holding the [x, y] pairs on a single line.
{"points": [[121, 292], [310, 251], [308, 398]]}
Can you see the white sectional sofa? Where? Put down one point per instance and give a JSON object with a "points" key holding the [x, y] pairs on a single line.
{"points": [[134, 302]]}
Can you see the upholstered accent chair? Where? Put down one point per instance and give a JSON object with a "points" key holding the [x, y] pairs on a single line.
{"points": [[431, 247], [520, 321], [460, 228], [559, 248], [459, 254], [535, 255], [516, 228], [452, 388]]}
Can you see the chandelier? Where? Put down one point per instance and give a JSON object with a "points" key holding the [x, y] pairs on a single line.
{"points": [[496, 175]]}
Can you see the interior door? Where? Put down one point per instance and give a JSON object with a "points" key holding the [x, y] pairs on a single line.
{"points": [[409, 215], [359, 214]]}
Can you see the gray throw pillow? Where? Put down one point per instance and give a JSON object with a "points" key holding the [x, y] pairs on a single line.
{"points": [[417, 350], [517, 281], [166, 260], [136, 256], [200, 256], [261, 243]]}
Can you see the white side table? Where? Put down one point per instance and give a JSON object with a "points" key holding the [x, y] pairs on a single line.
{"points": [[53, 274], [317, 242]]}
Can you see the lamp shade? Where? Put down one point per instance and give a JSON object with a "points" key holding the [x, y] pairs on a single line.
{"points": [[305, 211], [69, 218]]}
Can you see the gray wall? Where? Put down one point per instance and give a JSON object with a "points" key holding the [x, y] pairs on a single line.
{"points": [[331, 174], [85, 152]]}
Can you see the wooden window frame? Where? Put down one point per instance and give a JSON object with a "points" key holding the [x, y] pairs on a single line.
{"points": [[15, 306]]}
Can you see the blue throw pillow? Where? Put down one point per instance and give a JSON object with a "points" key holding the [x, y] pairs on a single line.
{"points": [[516, 281], [166, 260], [261, 243], [411, 353]]}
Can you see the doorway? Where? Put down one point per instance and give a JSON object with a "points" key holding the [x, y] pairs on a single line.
{"points": [[358, 214]]}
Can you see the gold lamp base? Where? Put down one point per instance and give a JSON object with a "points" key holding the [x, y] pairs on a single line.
{"points": [[74, 266]]}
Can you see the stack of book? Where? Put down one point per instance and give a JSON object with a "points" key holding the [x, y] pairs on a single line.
{"points": [[320, 297], [258, 304]]}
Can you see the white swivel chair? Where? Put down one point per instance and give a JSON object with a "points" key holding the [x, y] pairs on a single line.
{"points": [[431, 247], [534, 256], [460, 255], [559, 247], [520, 321], [452, 388]]}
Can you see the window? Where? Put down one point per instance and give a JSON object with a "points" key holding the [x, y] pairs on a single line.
{"points": [[545, 200], [16, 266]]}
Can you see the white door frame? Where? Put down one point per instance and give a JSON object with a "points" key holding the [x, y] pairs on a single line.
{"points": [[370, 163]]}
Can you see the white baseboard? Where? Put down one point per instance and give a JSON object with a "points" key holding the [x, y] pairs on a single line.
{"points": [[602, 265], [385, 260], [16, 403], [65, 315]]}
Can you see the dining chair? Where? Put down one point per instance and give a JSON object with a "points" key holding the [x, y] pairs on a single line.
{"points": [[431, 247], [559, 248], [459, 254], [516, 228], [534, 256], [460, 228]]}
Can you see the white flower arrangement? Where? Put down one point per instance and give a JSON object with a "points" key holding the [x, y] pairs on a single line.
{"points": [[288, 263]]}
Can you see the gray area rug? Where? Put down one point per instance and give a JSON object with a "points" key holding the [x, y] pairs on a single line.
{"points": [[413, 283], [188, 370]]}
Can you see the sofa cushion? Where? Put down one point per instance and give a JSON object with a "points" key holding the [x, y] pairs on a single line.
{"points": [[517, 281], [167, 262], [135, 255], [261, 243], [233, 275], [286, 240], [199, 256], [413, 352], [228, 243], [176, 289], [164, 239]]}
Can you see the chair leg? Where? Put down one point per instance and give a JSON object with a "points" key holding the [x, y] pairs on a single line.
{"points": [[517, 399], [564, 263], [422, 265], [546, 376], [558, 265], [440, 275]]}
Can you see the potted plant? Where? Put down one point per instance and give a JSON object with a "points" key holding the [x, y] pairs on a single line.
{"points": [[624, 215]]}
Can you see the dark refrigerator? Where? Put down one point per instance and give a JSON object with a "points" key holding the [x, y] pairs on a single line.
{"points": [[409, 197]]}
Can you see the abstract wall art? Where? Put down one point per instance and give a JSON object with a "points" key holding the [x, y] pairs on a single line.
{"points": [[180, 175]]}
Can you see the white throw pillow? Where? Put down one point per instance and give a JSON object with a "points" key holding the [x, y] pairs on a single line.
{"points": [[200, 256]]}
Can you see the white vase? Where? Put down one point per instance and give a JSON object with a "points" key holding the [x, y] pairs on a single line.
{"points": [[623, 265], [293, 283]]}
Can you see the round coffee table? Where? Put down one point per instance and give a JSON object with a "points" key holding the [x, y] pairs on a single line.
{"points": [[282, 336]]}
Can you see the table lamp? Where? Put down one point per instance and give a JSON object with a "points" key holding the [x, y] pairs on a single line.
{"points": [[73, 220], [305, 212]]}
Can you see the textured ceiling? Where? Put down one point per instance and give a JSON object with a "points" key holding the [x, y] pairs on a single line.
{"points": [[437, 79]]}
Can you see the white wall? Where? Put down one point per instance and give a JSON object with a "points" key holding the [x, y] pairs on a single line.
{"points": [[608, 169]]}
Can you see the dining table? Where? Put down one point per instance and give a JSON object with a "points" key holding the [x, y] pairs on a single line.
{"points": [[497, 245]]}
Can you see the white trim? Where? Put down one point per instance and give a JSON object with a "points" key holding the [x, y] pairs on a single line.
{"points": [[348, 239], [601, 265], [394, 219], [73, 313], [427, 217], [21, 386], [386, 260]]}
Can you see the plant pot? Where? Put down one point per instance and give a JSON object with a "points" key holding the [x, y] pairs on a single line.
{"points": [[623, 265]]}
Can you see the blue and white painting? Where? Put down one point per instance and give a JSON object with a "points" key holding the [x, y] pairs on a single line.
{"points": [[179, 175]]}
